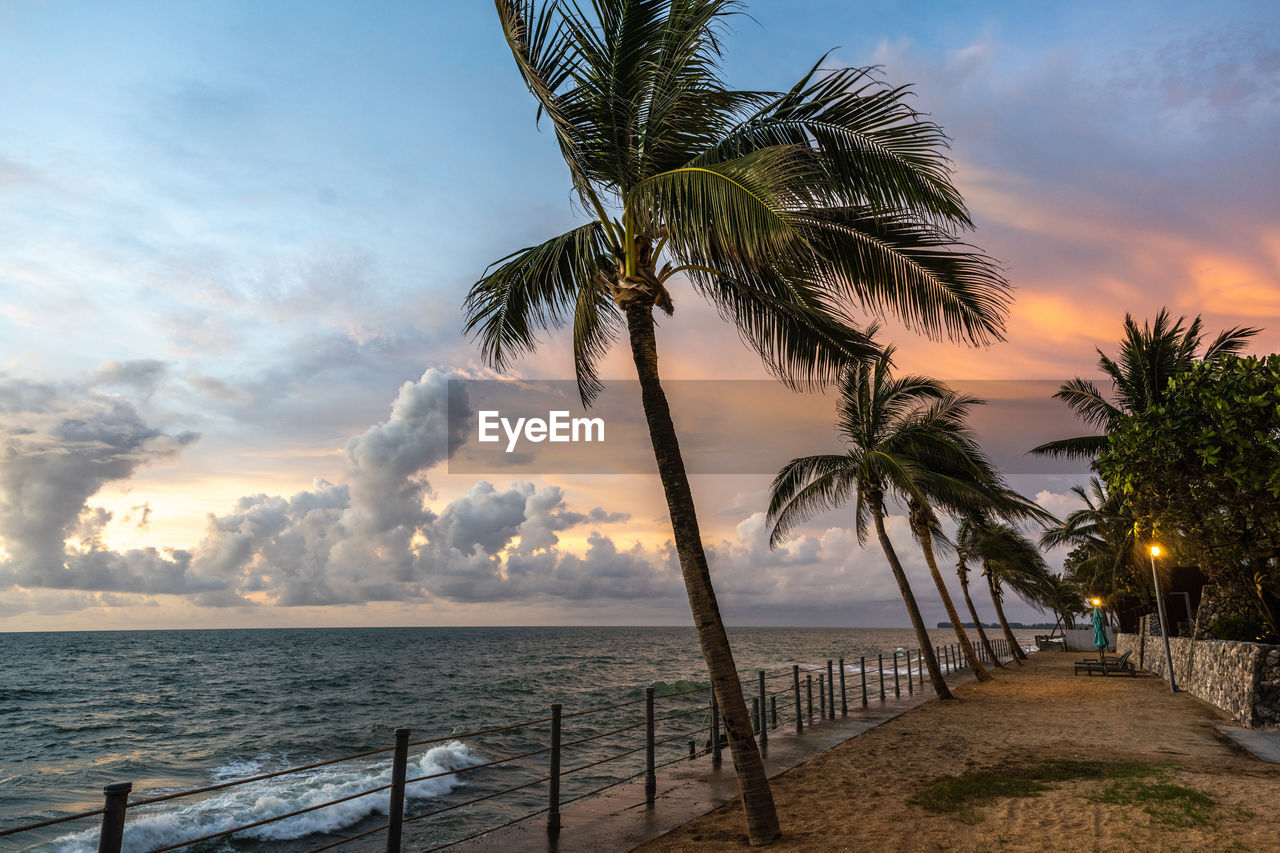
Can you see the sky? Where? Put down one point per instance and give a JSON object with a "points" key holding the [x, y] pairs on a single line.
{"points": [[235, 239]]}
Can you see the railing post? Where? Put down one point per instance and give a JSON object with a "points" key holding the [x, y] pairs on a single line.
{"points": [[764, 726], [920, 666], [863, 675], [553, 787], [831, 687], [910, 688], [395, 811], [650, 775], [822, 697], [773, 711], [844, 697], [756, 720], [897, 688], [113, 812], [808, 685], [880, 662], [795, 682]]}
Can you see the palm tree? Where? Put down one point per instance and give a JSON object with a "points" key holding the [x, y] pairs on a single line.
{"points": [[899, 435], [1010, 559], [1105, 558], [969, 547], [924, 525], [1063, 597], [785, 209], [1149, 357]]}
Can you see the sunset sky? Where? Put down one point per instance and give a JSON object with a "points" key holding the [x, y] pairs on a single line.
{"points": [[235, 239]]}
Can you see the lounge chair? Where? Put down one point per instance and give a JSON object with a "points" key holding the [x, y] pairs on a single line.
{"points": [[1107, 665]]}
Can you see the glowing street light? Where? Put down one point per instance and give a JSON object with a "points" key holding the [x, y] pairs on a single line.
{"points": [[1164, 625]]}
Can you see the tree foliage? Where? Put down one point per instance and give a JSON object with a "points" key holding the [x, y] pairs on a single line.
{"points": [[1203, 467], [789, 211], [1150, 355]]}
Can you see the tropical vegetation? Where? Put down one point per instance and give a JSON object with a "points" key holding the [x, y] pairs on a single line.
{"points": [[1202, 468], [1149, 357], [1187, 456]]}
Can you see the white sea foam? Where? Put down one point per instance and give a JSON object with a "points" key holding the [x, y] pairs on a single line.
{"points": [[175, 821]]}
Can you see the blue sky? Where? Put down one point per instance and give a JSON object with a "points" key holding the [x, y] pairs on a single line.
{"points": [[239, 233]]}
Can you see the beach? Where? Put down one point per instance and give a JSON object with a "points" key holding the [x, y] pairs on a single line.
{"points": [[1164, 780]]}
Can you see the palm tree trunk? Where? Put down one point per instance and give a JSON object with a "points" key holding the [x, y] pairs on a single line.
{"points": [[757, 798], [1014, 648], [963, 572], [926, 545], [876, 502]]}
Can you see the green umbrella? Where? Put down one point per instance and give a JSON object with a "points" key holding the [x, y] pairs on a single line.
{"points": [[1099, 633]]}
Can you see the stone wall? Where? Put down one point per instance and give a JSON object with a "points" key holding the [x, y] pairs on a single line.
{"points": [[1243, 679]]}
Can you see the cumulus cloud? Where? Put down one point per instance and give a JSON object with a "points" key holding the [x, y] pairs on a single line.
{"points": [[374, 537], [59, 445]]}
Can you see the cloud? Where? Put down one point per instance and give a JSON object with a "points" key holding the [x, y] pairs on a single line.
{"points": [[375, 537], [59, 445], [142, 375]]}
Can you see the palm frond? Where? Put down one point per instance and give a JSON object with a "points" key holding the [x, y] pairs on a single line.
{"points": [[921, 274], [1230, 342], [803, 340], [733, 217], [870, 147], [804, 488], [536, 288]]}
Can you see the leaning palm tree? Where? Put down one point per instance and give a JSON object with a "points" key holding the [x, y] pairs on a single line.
{"points": [[925, 528], [969, 546], [786, 210], [1149, 357], [961, 479], [1010, 559], [897, 432], [1064, 597]]}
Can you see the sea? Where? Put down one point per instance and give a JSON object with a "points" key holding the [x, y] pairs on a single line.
{"points": [[171, 711]]}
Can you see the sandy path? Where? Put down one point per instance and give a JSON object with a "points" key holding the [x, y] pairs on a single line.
{"points": [[854, 797]]}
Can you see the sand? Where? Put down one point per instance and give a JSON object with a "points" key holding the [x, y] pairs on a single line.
{"points": [[855, 796]]}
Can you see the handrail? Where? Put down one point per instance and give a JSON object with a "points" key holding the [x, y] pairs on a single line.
{"points": [[44, 823]]}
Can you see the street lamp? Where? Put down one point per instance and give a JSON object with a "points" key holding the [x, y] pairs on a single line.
{"points": [[1164, 625]]}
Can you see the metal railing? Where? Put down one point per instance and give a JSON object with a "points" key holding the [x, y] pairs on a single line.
{"points": [[765, 718]]}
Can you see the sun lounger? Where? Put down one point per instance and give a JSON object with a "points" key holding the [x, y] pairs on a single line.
{"points": [[1107, 666], [1106, 658]]}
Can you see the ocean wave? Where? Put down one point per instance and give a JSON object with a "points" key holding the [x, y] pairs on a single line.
{"points": [[683, 685], [170, 823]]}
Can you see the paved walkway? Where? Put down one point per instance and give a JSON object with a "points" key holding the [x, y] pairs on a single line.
{"points": [[1264, 745], [619, 820]]}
